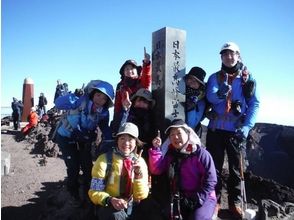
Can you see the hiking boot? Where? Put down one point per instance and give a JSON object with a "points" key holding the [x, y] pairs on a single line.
{"points": [[236, 211], [216, 210]]}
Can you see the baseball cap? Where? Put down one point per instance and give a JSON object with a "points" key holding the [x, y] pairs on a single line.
{"points": [[230, 46], [128, 128]]}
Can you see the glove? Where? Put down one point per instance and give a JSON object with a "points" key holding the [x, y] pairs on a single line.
{"points": [[194, 99], [79, 92], [83, 135], [190, 204], [224, 88], [239, 138]]}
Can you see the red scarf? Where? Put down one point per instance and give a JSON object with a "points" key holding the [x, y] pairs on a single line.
{"points": [[127, 176], [231, 78]]}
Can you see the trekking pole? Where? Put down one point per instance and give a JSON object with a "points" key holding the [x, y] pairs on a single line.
{"points": [[243, 190]]}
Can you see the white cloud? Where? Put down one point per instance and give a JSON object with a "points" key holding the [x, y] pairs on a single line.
{"points": [[276, 110]]}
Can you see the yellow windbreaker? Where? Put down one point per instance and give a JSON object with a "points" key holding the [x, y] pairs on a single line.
{"points": [[100, 190]]}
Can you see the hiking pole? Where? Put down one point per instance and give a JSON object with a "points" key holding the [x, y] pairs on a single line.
{"points": [[238, 145], [248, 214], [243, 190]]}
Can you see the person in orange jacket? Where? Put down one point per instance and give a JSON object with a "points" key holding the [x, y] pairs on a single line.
{"points": [[33, 122]]}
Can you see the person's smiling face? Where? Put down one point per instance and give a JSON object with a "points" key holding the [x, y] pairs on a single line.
{"points": [[126, 144], [131, 71], [178, 137], [230, 58]]}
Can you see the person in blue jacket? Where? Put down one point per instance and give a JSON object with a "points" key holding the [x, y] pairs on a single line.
{"points": [[232, 94], [86, 110], [195, 98], [190, 169]]}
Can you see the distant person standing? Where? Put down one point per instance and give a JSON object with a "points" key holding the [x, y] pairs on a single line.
{"points": [[17, 107], [65, 89], [232, 94], [42, 104], [59, 89]]}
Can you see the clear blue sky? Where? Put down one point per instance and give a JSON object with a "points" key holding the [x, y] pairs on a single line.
{"points": [[80, 40]]}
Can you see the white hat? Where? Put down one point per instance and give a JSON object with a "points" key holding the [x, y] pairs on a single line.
{"points": [[129, 128], [230, 46], [33, 109]]}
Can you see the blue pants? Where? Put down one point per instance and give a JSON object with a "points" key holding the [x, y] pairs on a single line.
{"points": [[76, 156]]}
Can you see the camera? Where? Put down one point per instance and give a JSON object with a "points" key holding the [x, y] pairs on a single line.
{"points": [[236, 108]]}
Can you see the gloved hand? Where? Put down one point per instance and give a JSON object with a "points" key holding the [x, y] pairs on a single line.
{"points": [[190, 204], [239, 138], [79, 92], [83, 135], [239, 135], [194, 99], [224, 88]]}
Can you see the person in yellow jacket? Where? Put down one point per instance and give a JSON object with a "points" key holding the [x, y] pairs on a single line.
{"points": [[119, 189]]}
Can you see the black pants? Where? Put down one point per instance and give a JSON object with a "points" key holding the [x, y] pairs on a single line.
{"points": [[217, 142], [16, 121], [76, 156], [146, 209]]}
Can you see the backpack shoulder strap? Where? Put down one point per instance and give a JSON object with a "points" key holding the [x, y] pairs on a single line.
{"points": [[248, 84], [109, 157]]}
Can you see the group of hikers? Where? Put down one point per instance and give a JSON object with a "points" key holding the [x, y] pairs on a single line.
{"points": [[134, 165]]}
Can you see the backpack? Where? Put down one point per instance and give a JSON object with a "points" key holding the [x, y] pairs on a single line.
{"points": [[63, 120]]}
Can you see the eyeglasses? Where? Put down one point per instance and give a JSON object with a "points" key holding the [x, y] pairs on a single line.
{"points": [[229, 53]]}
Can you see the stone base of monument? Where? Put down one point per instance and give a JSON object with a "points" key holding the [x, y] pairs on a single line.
{"points": [[5, 163]]}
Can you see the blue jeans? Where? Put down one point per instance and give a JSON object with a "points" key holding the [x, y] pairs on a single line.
{"points": [[76, 156]]}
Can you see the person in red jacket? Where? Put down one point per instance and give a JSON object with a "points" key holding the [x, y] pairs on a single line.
{"points": [[133, 77], [33, 122]]}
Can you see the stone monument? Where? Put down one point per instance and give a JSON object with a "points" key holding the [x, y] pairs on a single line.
{"points": [[168, 69]]}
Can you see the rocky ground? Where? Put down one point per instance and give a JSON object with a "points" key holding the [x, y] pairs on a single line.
{"points": [[35, 185]]}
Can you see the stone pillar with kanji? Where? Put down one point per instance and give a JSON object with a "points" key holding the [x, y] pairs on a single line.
{"points": [[168, 70]]}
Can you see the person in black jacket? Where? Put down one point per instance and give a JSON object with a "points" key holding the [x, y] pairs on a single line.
{"points": [[17, 108], [42, 104]]}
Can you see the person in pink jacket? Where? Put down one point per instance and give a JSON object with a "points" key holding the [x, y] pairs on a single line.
{"points": [[190, 169]]}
